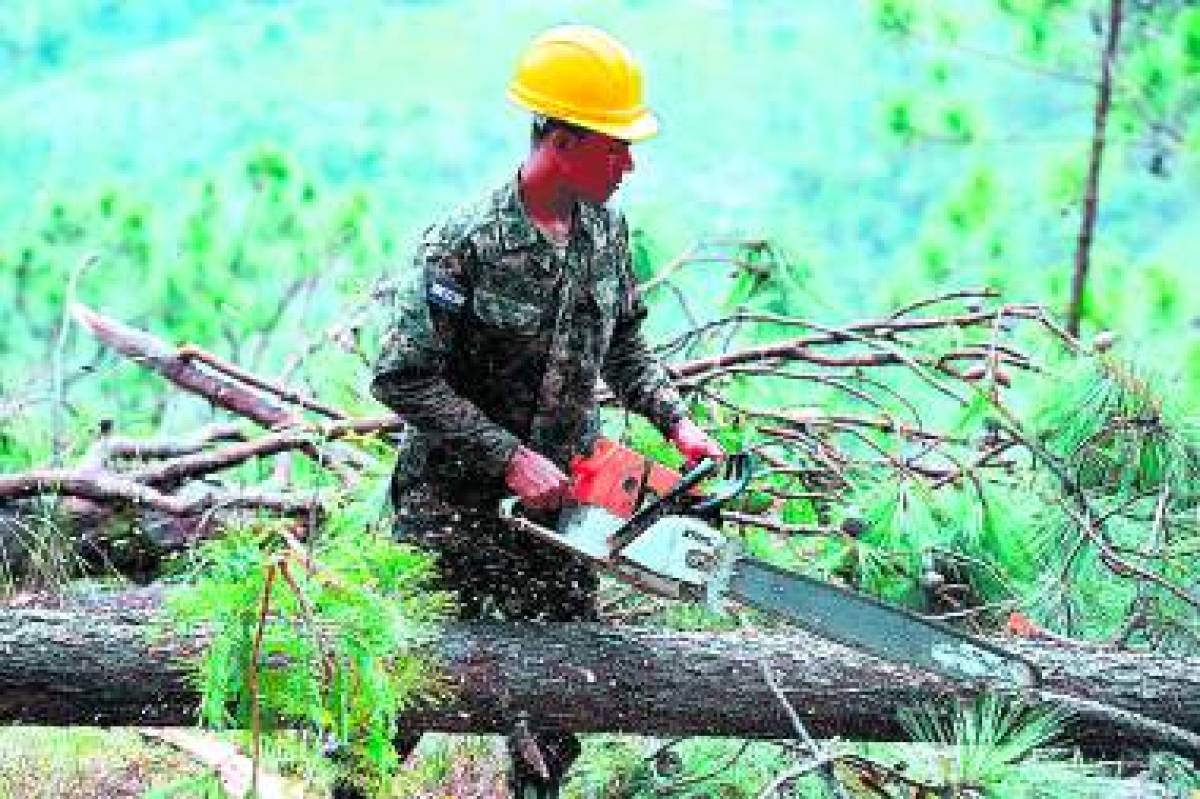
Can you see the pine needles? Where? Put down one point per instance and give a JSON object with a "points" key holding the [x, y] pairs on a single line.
{"points": [[325, 639], [1120, 516], [996, 747]]}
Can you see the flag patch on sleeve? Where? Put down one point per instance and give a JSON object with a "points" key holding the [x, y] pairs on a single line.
{"points": [[446, 294]]}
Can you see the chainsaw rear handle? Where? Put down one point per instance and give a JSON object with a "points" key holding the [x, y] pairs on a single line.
{"points": [[673, 498]]}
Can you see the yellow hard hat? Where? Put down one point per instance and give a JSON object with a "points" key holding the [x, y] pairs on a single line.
{"points": [[584, 76]]}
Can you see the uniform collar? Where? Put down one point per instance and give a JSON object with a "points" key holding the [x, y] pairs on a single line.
{"points": [[517, 230]]}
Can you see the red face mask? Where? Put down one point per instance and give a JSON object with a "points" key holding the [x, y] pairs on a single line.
{"points": [[593, 165]]}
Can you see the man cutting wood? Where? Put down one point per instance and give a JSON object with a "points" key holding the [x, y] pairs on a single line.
{"points": [[513, 310]]}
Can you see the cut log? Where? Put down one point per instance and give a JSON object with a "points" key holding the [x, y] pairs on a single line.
{"points": [[62, 667]]}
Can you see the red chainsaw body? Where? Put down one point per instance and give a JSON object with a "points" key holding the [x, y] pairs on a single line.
{"points": [[617, 478]]}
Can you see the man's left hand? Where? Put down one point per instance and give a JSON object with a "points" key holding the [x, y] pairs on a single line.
{"points": [[693, 443]]}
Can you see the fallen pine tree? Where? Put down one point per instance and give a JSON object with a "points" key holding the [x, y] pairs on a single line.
{"points": [[128, 504], [114, 667]]}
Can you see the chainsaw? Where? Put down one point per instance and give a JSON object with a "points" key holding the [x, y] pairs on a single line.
{"points": [[654, 528]]}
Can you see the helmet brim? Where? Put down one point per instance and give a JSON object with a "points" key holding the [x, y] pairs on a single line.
{"points": [[641, 127]]}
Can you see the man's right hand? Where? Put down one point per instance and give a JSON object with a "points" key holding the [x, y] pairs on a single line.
{"points": [[535, 479]]}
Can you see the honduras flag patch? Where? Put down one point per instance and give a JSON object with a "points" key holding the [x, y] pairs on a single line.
{"points": [[444, 293]]}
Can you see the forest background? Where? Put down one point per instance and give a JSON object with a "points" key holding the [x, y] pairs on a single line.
{"points": [[237, 174]]}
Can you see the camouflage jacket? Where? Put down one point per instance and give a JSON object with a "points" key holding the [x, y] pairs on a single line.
{"points": [[498, 337]]}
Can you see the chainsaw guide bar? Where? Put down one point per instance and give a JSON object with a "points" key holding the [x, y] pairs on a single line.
{"points": [[671, 547]]}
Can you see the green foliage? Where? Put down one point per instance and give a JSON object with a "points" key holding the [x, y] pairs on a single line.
{"points": [[612, 766], [88, 762], [970, 209], [237, 272], [995, 746], [1040, 155], [958, 123], [989, 736], [895, 16], [1113, 430], [1175, 773], [1189, 40], [898, 115], [1151, 72], [620, 767], [767, 280], [1133, 455], [340, 639], [40, 551]]}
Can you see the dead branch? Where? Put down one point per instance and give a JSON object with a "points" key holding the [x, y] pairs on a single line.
{"points": [[854, 332], [974, 295], [155, 354], [176, 366], [118, 490], [190, 352], [304, 438], [825, 454], [692, 255], [109, 448]]}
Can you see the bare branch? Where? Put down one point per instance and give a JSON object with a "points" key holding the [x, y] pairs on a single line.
{"points": [[153, 353], [110, 488], [191, 352]]}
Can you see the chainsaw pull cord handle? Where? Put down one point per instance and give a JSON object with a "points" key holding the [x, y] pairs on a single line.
{"points": [[668, 502]]}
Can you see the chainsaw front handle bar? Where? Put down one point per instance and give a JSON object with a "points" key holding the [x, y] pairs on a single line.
{"points": [[670, 502], [739, 471]]}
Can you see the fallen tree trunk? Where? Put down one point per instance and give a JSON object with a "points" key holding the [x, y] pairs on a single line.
{"points": [[62, 667]]}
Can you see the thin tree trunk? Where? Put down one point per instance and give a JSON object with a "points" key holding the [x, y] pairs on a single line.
{"points": [[1087, 223]]}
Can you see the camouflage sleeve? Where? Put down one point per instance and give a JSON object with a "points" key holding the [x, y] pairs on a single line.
{"points": [[418, 341], [631, 370]]}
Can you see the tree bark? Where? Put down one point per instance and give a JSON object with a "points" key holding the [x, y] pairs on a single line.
{"points": [[89, 666]]}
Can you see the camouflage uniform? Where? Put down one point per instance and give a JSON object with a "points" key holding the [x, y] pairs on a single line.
{"points": [[497, 338]]}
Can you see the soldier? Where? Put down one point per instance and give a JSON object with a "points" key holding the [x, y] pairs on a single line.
{"points": [[513, 309]]}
